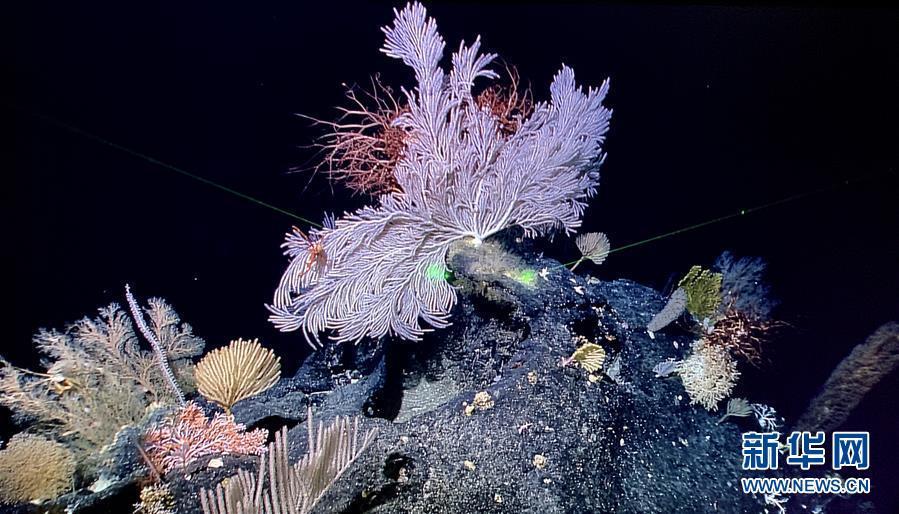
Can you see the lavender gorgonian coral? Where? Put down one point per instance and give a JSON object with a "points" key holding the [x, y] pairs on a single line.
{"points": [[461, 176]]}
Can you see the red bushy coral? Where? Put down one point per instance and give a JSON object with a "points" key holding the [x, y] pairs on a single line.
{"points": [[363, 146], [742, 334], [189, 435], [509, 105]]}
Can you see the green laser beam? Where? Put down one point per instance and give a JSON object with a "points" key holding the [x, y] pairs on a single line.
{"points": [[741, 212], [719, 219], [73, 129], [134, 153]]}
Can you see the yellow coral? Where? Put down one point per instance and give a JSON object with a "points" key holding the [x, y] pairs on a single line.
{"points": [[482, 401], [156, 499], [590, 356], [235, 372], [703, 288], [34, 468]]}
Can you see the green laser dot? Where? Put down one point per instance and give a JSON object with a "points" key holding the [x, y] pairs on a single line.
{"points": [[436, 272], [527, 277]]}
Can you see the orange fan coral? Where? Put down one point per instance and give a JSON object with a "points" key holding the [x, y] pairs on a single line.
{"points": [[189, 435]]}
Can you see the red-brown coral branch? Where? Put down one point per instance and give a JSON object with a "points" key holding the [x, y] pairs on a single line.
{"points": [[509, 105], [363, 146], [742, 334], [189, 435]]}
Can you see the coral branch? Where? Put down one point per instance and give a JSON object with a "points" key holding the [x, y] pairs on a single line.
{"points": [[188, 436], [363, 146], [866, 365], [161, 358], [470, 166]]}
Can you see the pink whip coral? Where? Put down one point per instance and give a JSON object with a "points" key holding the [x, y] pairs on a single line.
{"points": [[189, 435]]}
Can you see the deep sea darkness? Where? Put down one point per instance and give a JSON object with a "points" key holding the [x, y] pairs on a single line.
{"points": [[716, 109]]}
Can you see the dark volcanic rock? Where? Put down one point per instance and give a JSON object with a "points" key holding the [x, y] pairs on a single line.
{"points": [[553, 441], [340, 378], [549, 439]]}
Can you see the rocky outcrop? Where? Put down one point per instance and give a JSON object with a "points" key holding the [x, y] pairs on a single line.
{"points": [[545, 437]]}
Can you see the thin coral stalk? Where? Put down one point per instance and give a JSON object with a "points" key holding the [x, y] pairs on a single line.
{"points": [[160, 352]]}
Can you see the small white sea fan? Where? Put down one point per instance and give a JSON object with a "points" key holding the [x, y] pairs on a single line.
{"points": [[594, 246], [709, 374], [665, 368], [767, 417]]}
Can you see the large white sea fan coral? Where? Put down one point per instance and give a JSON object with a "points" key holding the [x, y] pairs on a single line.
{"points": [[460, 177]]}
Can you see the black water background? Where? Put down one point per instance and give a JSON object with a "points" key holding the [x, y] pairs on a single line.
{"points": [[716, 109]]}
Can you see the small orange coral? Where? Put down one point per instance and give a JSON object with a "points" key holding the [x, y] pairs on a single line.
{"points": [[189, 435]]}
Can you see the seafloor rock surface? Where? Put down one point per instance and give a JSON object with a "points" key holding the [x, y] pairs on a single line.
{"points": [[540, 437], [545, 438], [550, 440]]}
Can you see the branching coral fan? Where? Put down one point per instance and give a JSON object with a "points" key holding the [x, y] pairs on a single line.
{"points": [[238, 371], [709, 374], [462, 175], [189, 435], [97, 376]]}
